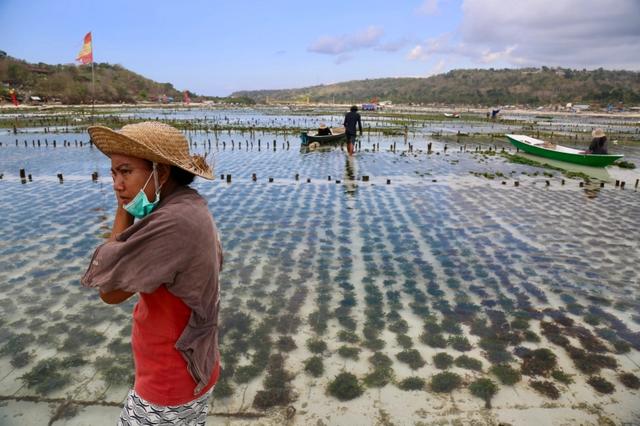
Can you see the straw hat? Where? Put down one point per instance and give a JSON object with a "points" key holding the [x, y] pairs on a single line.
{"points": [[598, 133], [153, 141], [323, 126]]}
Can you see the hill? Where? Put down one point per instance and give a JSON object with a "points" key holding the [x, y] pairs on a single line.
{"points": [[71, 84], [527, 86]]}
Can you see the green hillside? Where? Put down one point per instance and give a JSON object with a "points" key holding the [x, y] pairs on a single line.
{"points": [[71, 84], [528, 86]]}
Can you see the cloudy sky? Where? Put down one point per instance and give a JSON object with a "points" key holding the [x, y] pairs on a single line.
{"points": [[217, 47]]}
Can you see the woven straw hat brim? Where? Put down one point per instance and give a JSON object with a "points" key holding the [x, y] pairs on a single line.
{"points": [[597, 133], [151, 141]]}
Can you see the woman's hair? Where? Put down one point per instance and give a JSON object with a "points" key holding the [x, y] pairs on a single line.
{"points": [[181, 177]]}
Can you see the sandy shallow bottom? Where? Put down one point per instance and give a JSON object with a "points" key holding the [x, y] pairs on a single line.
{"points": [[431, 246]]}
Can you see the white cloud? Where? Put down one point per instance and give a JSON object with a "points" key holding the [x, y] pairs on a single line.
{"points": [[428, 7], [338, 45], [393, 46], [438, 68], [571, 33], [416, 53]]}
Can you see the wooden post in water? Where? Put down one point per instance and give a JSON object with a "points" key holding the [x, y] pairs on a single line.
{"points": [[23, 175], [228, 178], [60, 178], [254, 177]]}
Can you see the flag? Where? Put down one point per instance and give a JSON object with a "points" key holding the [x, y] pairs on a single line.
{"points": [[14, 99], [86, 53]]}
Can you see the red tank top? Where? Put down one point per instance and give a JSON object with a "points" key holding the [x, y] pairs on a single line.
{"points": [[162, 377]]}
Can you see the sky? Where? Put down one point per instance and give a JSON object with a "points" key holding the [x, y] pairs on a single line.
{"points": [[217, 47]]}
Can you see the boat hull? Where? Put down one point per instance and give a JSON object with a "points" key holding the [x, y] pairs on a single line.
{"points": [[337, 136], [592, 160]]}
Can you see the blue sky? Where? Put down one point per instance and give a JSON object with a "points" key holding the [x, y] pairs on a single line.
{"points": [[217, 47]]}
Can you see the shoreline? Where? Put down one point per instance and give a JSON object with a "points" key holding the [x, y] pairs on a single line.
{"points": [[340, 107]]}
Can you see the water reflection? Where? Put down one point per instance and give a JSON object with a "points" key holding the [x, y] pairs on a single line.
{"points": [[350, 175], [592, 189], [600, 173]]}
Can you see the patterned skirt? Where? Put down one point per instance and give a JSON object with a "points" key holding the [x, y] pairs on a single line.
{"points": [[138, 412]]}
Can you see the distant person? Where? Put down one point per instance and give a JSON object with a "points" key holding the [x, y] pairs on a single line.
{"points": [[350, 120], [598, 143], [323, 130]]}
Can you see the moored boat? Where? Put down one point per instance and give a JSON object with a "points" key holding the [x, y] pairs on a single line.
{"points": [[337, 135], [561, 153]]}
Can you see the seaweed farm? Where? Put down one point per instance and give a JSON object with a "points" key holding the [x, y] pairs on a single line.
{"points": [[429, 279]]}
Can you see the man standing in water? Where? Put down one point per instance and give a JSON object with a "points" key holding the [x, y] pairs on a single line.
{"points": [[350, 120]]}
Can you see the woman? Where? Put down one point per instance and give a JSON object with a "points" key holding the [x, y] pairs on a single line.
{"points": [[171, 257]]}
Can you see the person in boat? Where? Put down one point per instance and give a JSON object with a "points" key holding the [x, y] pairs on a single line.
{"points": [[323, 130], [351, 119], [164, 247], [598, 143]]}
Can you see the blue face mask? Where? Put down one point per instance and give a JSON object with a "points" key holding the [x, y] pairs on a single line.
{"points": [[140, 206]]}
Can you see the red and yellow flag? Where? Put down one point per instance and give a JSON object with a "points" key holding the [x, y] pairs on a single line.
{"points": [[86, 53]]}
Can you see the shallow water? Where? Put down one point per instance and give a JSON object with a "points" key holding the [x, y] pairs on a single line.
{"points": [[314, 259]]}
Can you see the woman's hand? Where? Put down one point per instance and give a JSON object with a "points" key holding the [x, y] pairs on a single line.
{"points": [[116, 296], [122, 221]]}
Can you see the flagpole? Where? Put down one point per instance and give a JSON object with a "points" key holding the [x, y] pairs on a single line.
{"points": [[93, 95]]}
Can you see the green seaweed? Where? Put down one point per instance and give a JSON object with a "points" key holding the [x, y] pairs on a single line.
{"points": [[630, 380], [601, 384], [545, 388], [484, 389], [469, 363], [445, 382], [442, 360], [21, 359], [506, 374], [412, 383], [46, 377], [345, 386], [314, 366]]}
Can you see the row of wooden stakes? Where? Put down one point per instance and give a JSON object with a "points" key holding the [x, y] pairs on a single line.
{"points": [[365, 178]]}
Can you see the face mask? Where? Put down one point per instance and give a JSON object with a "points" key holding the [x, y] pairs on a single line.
{"points": [[140, 206]]}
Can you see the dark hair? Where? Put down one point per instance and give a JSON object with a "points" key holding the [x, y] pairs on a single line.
{"points": [[354, 108], [180, 176]]}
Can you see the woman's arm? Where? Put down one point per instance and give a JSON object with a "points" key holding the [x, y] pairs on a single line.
{"points": [[122, 221]]}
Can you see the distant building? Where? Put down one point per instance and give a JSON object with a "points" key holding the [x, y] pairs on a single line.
{"points": [[369, 107]]}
